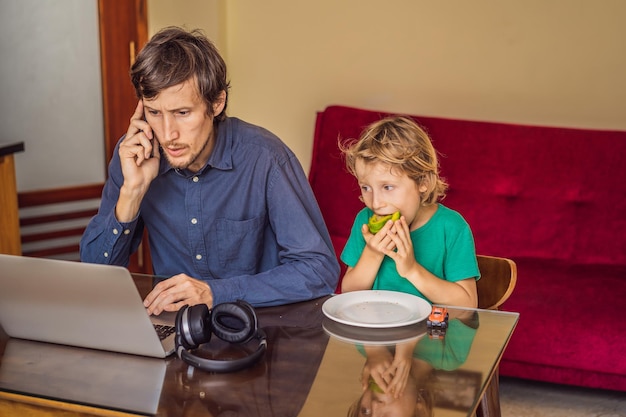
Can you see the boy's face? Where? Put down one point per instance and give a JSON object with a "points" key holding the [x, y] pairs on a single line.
{"points": [[385, 191]]}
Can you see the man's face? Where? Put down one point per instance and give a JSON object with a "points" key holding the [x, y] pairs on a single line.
{"points": [[183, 125]]}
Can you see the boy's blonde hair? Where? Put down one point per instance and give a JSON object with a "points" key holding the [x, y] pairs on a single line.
{"points": [[403, 145]]}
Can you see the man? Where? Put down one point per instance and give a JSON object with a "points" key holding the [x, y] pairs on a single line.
{"points": [[228, 208]]}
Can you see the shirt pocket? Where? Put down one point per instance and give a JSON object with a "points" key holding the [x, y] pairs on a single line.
{"points": [[240, 244]]}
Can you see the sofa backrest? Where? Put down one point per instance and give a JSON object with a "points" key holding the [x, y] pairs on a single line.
{"points": [[526, 191]]}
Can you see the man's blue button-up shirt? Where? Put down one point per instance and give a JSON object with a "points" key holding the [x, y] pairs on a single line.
{"points": [[247, 223]]}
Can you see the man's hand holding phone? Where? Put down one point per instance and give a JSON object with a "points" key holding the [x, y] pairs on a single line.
{"points": [[139, 158]]}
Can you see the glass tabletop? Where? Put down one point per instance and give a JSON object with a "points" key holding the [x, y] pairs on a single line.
{"points": [[313, 366]]}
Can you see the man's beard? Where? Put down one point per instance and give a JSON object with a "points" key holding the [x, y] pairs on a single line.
{"points": [[192, 158]]}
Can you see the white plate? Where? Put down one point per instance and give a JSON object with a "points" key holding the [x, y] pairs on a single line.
{"points": [[373, 337], [376, 308]]}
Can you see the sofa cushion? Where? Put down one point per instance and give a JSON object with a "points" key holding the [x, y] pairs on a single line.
{"points": [[571, 328]]}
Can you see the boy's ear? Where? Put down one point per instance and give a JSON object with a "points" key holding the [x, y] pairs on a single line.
{"points": [[423, 184], [218, 105]]}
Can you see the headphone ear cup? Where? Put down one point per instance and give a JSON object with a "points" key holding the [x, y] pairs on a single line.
{"points": [[234, 322], [193, 326]]}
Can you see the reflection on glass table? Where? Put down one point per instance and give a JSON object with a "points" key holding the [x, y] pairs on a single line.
{"points": [[409, 370], [404, 376]]}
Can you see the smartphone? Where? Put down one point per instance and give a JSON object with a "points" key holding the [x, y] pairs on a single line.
{"points": [[153, 139]]}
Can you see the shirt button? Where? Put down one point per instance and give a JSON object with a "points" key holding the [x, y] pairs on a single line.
{"points": [[198, 256], [126, 231], [194, 221], [115, 231], [195, 179], [106, 254]]}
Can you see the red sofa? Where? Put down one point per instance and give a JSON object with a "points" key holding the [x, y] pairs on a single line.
{"points": [[551, 199]]}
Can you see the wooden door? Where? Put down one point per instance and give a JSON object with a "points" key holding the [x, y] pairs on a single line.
{"points": [[123, 32]]}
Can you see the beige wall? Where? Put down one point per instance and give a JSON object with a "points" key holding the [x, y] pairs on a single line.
{"points": [[207, 15], [549, 62]]}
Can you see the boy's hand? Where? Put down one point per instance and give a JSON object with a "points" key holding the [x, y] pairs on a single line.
{"points": [[378, 361], [403, 255], [401, 368], [381, 242]]}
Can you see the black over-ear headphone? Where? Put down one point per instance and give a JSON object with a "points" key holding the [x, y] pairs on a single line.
{"points": [[195, 324]]}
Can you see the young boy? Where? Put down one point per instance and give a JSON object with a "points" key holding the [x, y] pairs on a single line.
{"points": [[430, 250]]}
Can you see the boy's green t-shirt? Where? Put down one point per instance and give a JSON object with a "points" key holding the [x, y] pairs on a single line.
{"points": [[444, 246]]}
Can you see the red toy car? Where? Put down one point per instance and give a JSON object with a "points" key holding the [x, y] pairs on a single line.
{"points": [[438, 318]]}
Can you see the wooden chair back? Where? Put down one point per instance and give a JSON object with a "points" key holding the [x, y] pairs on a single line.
{"points": [[497, 282]]}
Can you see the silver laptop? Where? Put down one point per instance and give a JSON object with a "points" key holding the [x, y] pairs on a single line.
{"points": [[79, 304]]}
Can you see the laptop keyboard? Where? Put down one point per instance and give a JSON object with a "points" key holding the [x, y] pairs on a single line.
{"points": [[163, 331]]}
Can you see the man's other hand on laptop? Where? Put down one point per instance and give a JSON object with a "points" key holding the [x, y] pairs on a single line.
{"points": [[173, 293]]}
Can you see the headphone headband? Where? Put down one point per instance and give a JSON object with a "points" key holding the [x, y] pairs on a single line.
{"points": [[223, 366]]}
